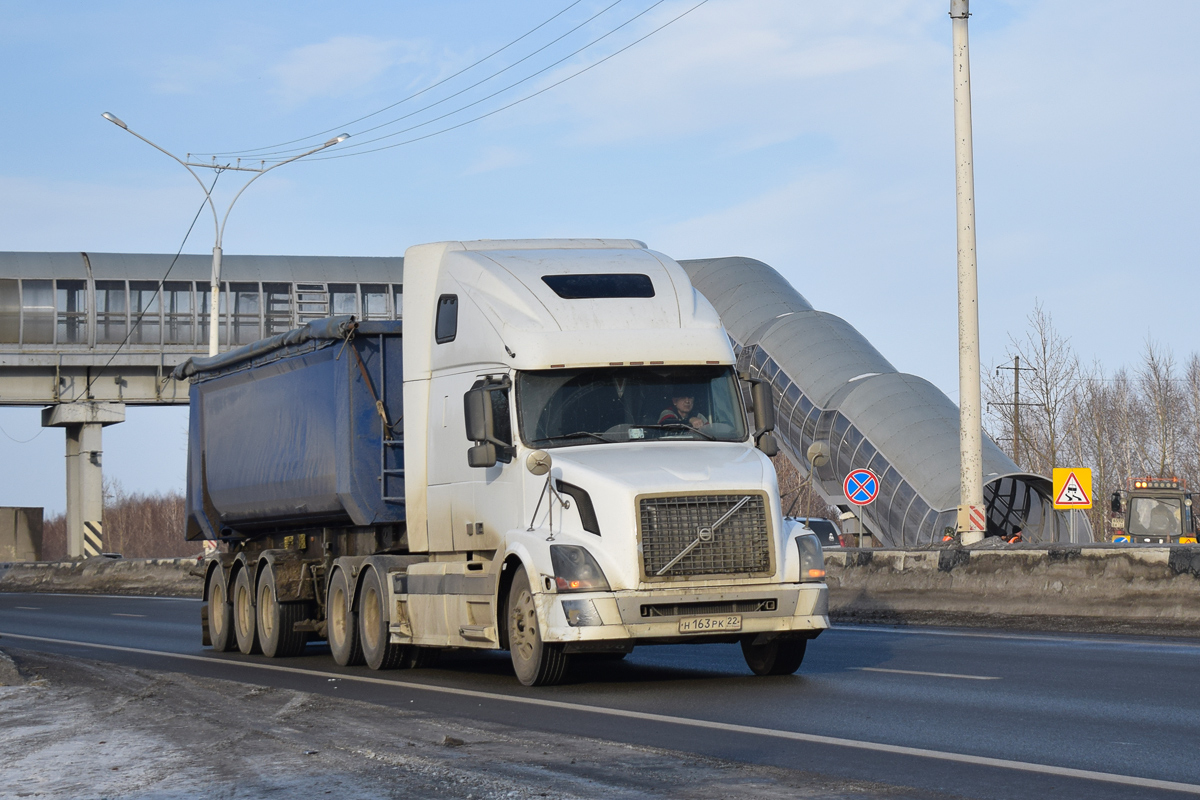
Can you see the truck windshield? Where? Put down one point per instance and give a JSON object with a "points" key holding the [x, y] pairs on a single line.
{"points": [[561, 407], [1155, 516]]}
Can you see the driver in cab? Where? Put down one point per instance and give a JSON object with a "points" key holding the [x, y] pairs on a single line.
{"points": [[680, 412]]}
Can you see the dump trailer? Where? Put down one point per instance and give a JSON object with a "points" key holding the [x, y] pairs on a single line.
{"points": [[551, 454]]}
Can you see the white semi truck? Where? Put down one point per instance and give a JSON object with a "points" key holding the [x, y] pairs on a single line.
{"points": [[550, 454]]}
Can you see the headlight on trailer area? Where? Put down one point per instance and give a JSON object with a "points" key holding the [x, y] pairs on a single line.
{"points": [[812, 559], [575, 570]]}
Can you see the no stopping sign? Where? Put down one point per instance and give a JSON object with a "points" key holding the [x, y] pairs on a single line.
{"points": [[861, 487]]}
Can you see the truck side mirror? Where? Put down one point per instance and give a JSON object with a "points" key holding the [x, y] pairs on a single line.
{"points": [[477, 410], [768, 445], [481, 417], [482, 455], [764, 408], [1116, 502]]}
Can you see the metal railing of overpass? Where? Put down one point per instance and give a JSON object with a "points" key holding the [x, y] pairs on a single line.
{"points": [[78, 327]]}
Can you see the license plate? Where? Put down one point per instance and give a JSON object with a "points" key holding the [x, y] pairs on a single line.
{"points": [[728, 622]]}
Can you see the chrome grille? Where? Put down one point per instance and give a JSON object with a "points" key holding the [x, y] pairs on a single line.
{"points": [[721, 542]]}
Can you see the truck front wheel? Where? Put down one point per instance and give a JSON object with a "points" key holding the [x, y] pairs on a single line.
{"points": [[536, 663], [276, 620], [373, 631], [781, 656], [342, 623], [244, 623], [220, 612]]}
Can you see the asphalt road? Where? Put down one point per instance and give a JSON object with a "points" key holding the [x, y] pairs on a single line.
{"points": [[977, 714]]}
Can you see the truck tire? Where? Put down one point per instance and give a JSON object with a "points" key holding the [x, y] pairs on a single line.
{"points": [[422, 657], [245, 626], [537, 663], [220, 613], [342, 622], [378, 651], [780, 656], [276, 621]]}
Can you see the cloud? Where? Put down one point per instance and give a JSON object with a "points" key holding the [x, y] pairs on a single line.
{"points": [[774, 66], [336, 67]]}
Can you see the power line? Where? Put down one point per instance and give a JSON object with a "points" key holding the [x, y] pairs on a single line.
{"points": [[9, 436], [468, 68], [485, 80], [157, 294], [515, 102], [510, 86]]}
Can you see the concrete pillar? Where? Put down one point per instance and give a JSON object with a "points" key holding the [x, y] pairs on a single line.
{"points": [[85, 477]]}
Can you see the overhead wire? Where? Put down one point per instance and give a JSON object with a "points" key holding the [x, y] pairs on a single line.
{"points": [[506, 88], [430, 87], [9, 436], [530, 96], [157, 294], [496, 74]]}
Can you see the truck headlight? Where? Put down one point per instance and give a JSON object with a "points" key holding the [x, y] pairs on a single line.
{"points": [[812, 559], [575, 570]]}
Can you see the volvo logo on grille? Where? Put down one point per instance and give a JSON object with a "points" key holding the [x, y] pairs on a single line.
{"points": [[704, 534]]}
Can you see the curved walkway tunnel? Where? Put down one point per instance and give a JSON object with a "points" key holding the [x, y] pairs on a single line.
{"points": [[837, 395]]}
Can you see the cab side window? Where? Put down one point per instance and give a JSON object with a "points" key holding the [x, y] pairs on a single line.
{"points": [[446, 326]]}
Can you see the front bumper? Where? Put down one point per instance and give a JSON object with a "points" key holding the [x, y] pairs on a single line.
{"points": [[655, 614]]}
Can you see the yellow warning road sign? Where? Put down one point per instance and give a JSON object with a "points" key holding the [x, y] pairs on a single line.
{"points": [[1072, 487]]}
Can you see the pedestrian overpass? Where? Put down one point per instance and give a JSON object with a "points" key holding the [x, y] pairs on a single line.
{"points": [[84, 335]]}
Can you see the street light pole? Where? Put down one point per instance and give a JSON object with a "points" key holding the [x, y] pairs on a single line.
{"points": [[219, 223], [971, 512]]}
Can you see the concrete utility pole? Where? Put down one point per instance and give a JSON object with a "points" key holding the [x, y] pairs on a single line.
{"points": [[972, 520]]}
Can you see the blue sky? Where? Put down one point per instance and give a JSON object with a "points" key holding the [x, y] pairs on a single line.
{"points": [[816, 136]]}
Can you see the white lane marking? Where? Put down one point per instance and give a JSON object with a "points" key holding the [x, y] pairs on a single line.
{"points": [[118, 614], [929, 674], [795, 736], [1129, 641], [107, 596], [27, 608]]}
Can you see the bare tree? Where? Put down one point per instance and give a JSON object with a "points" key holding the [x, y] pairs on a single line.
{"points": [[136, 525], [797, 494], [1048, 389], [1094, 433], [1165, 405], [1191, 420]]}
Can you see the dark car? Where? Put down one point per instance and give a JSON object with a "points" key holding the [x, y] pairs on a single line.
{"points": [[825, 529]]}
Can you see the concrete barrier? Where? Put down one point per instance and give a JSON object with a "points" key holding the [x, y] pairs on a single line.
{"points": [[158, 577], [1090, 589]]}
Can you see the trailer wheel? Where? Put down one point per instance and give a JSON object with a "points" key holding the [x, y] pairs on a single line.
{"points": [[276, 620], [378, 651], [781, 656], [342, 622], [536, 663], [220, 613], [244, 623]]}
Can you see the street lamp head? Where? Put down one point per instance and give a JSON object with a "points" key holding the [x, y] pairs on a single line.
{"points": [[114, 120], [337, 139]]}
